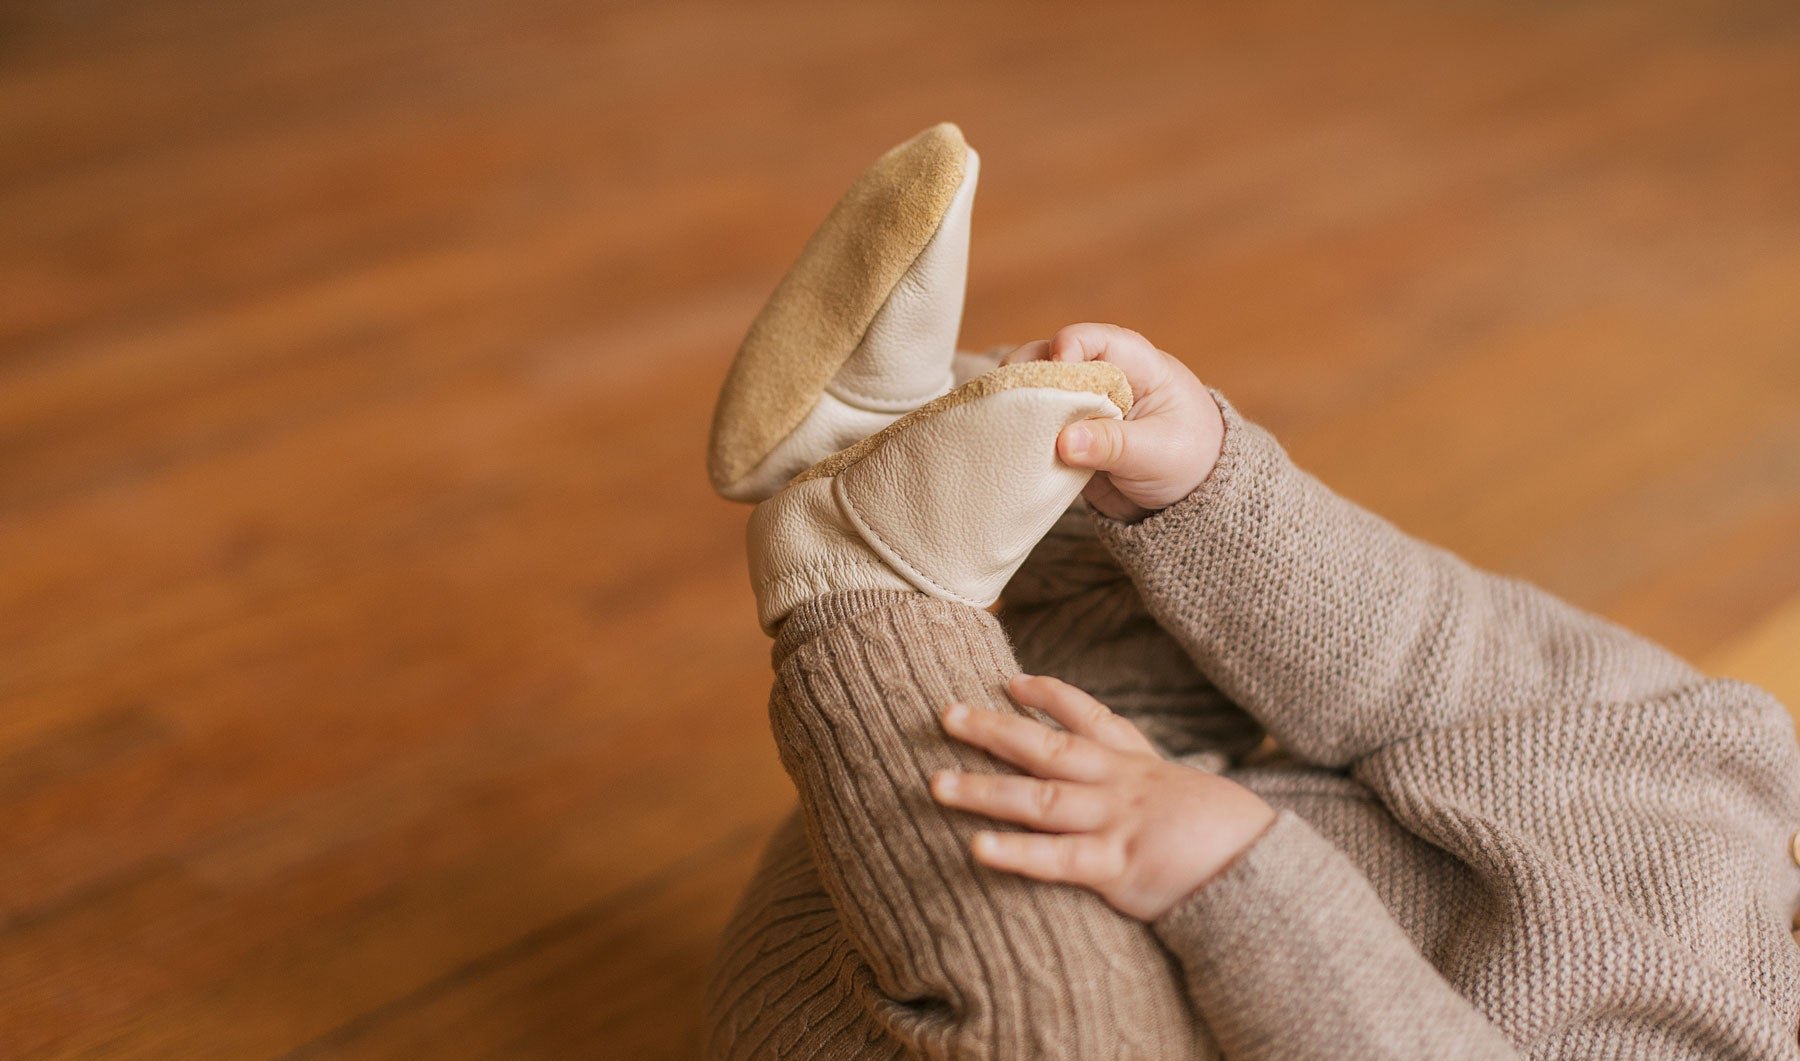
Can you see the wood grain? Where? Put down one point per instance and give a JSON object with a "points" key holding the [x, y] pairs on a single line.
{"points": [[379, 676]]}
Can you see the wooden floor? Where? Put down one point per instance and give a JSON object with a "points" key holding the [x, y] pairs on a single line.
{"points": [[378, 676]]}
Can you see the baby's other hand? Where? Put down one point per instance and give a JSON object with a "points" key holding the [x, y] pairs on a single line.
{"points": [[1112, 815], [1163, 449]]}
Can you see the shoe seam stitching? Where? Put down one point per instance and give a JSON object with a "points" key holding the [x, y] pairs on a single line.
{"points": [[862, 524]]}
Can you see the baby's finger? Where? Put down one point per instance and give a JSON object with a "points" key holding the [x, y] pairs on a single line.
{"points": [[1150, 457], [1100, 444], [1029, 745], [1087, 860], [1143, 364], [1077, 712], [1108, 500], [1050, 806], [1135, 448], [1036, 350]]}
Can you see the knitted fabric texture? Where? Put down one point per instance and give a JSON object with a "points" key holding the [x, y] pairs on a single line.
{"points": [[1506, 827]]}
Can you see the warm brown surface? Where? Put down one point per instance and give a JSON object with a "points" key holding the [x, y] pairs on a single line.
{"points": [[380, 677]]}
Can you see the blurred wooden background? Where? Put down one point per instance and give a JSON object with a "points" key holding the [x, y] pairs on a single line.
{"points": [[378, 677]]}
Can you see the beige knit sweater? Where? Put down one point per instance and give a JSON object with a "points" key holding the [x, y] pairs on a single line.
{"points": [[1505, 827]]}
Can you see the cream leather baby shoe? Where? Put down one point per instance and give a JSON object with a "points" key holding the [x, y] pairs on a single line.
{"points": [[947, 501], [863, 327]]}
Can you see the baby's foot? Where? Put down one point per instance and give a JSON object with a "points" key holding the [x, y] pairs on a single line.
{"points": [[947, 501], [862, 329]]}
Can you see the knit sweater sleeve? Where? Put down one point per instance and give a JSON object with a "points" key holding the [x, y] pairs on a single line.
{"points": [[1618, 821], [1289, 954], [1340, 633]]}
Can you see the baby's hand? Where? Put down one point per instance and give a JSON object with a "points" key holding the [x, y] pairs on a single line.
{"points": [[1113, 816], [1160, 452]]}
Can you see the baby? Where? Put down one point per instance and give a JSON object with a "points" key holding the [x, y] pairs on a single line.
{"points": [[1490, 826]]}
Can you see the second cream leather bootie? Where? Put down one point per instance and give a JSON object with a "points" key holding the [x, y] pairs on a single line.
{"points": [[863, 327], [947, 501]]}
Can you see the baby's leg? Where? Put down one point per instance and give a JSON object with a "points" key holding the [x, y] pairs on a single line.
{"points": [[787, 981], [947, 959]]}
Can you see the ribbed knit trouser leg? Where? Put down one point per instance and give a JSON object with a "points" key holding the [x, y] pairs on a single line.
{"points": [[952, 960]]}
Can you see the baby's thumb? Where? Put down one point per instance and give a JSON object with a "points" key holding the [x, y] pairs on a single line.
{"points": [[1098, 444]]}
